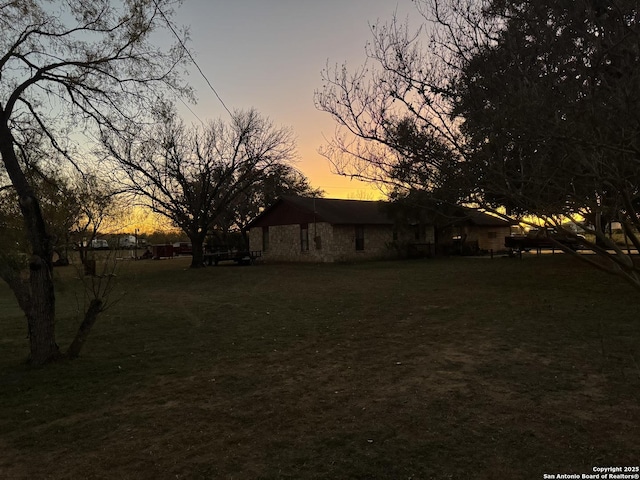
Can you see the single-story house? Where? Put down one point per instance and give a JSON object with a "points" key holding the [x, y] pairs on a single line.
{"points": [[302, 229], [330, 230]]}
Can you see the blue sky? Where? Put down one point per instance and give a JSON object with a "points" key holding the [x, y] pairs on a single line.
{"points": [[268, 54]]}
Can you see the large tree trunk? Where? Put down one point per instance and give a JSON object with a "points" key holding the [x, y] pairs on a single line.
{"points": [[40, 311], [197, 242]]}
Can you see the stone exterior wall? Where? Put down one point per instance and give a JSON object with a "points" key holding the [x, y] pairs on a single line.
{"points": [[285, 243], [333, 243], [489, 238], [329, 243], [377, 242]]}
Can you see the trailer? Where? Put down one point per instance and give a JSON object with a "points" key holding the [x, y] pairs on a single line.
{"points": [[539, 240], [128, 242], [99, 244], [182, 248], [241, 257], [162, 251]]}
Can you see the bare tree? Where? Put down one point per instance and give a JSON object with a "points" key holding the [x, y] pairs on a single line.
{"points": [[194, 176], [402, 92], [530, 106], [67, 69], [281, 179]]}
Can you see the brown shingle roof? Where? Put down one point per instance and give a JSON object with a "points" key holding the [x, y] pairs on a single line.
{"points": [[288, 210], [337, 211], [293, 209]]}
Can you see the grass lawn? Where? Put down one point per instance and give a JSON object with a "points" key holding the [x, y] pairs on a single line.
{"points": [[445, 369]]}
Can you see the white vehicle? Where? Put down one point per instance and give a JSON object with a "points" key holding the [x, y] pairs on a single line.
{"points": [[128, 241]]}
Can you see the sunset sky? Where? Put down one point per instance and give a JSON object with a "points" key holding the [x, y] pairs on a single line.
{"points": [[268, 54]]}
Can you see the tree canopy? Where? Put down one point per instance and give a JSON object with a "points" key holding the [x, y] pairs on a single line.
{"points": [[532, 105], [196, 176]]}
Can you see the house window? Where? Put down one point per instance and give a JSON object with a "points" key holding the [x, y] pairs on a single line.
{"points": [[416, 232], [359, 238], [265, 239], [304, 237], [492, 234]]}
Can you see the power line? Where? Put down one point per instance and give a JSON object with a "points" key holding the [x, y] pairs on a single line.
{"points": [[193, 60], [189, 108]]}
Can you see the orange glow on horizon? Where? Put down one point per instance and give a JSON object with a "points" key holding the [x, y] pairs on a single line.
{"points": [[314, 166], [319, 172]]}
